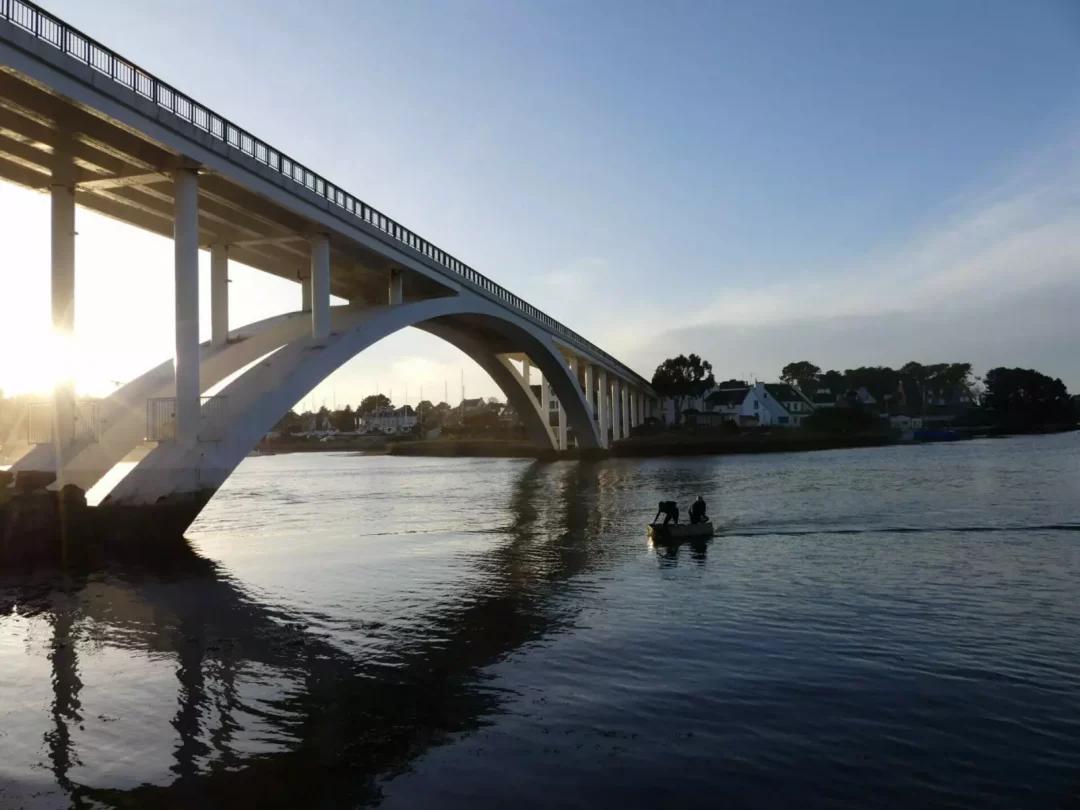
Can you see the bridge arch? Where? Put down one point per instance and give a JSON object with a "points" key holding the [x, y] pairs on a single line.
{"points": [[122, 414], [256, 400]]}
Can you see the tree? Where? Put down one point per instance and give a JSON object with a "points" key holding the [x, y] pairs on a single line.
{"points": [[802, 374], [288, 424], [344, 420], [1022, 398], [681, 377], [881, 382], [372, 403], [833, 381]]}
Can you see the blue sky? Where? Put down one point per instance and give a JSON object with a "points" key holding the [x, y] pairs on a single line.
{"points": [[846, 182]]}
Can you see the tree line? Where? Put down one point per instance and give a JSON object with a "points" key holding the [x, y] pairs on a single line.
{"points": [[1016, 398]]}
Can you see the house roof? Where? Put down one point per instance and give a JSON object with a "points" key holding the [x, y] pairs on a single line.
{"points": [[727, 397], [782, 392], [472, 403], [824, 398]]}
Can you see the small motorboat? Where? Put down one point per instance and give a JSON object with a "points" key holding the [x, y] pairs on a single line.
{"points": [[676, 532]]}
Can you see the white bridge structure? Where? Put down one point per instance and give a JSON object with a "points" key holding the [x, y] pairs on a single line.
{"points": [[90, 128]]}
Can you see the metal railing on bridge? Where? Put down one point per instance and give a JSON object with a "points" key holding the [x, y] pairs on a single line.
{"points": [[161, 419], [48, 28], [41, 421]]}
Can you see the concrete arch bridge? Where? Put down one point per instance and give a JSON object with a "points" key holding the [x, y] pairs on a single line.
{"points": [[88, 127]]}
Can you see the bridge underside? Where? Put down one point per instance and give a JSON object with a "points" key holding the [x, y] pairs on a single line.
{"points": [[121, 173]]}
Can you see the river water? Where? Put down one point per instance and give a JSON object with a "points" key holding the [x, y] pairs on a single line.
{"points": [[890, 627]]}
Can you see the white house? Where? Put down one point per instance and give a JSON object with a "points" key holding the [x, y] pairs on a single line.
{"points": [[389, 420], [727, 402], [906, 423], [775, 404]]}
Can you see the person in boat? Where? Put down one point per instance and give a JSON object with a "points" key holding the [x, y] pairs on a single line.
{"points": [[697, 511], [670, 511]]}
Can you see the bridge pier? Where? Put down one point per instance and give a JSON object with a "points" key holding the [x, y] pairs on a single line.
{"points": [[590, 390], [624, 401], [616, 412], [320, 286], [603, 407], [219, 294], [186, 280], [62, 244]]}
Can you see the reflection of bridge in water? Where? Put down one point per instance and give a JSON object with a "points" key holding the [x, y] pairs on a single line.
{"points": [[90, 127], [346, 719]]}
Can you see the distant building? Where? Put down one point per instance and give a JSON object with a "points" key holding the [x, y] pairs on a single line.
{"points": [[455, 417], [745, 405], [775, 404], [727, 402], [389, 420], [903, 422]]}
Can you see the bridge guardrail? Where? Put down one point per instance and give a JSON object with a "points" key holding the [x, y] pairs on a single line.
{"points": [[70, 41], [161, 419], [41, 421]]}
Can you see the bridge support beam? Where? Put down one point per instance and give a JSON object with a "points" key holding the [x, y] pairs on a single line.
{"points": [[397, 289], [603, 407], [561, 434], [590, 389], [624, 403], [186, 255], [320, 286], [219, 294], [576, 377], [305, 292], [618, 424], [62, 243]]}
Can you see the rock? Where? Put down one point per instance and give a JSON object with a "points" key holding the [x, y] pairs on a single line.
{"points": [[71, 495], [28, 481]]}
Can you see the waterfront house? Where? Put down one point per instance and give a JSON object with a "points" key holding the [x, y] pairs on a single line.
{"points": [[389, 420], [776, 404], [727, 402]]}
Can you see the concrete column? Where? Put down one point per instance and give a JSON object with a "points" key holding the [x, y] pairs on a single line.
{"points": [[590, 390], [305, 293], [545, 402], [617, 420], [526, 373], [561, 436], [633, 408], [603, 408], [396, 288], [62, 243], [320, 286], [186, 256], [624, 403], [219, 294]]}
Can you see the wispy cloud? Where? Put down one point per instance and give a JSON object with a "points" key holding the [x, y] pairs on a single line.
{"points": [[997, 280]]}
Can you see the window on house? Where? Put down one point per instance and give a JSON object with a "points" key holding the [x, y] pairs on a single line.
{"points": [[783, 420]]}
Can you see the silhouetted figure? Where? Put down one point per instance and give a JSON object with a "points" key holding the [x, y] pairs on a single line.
{"points": [[670, 511], [697, 511]]}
